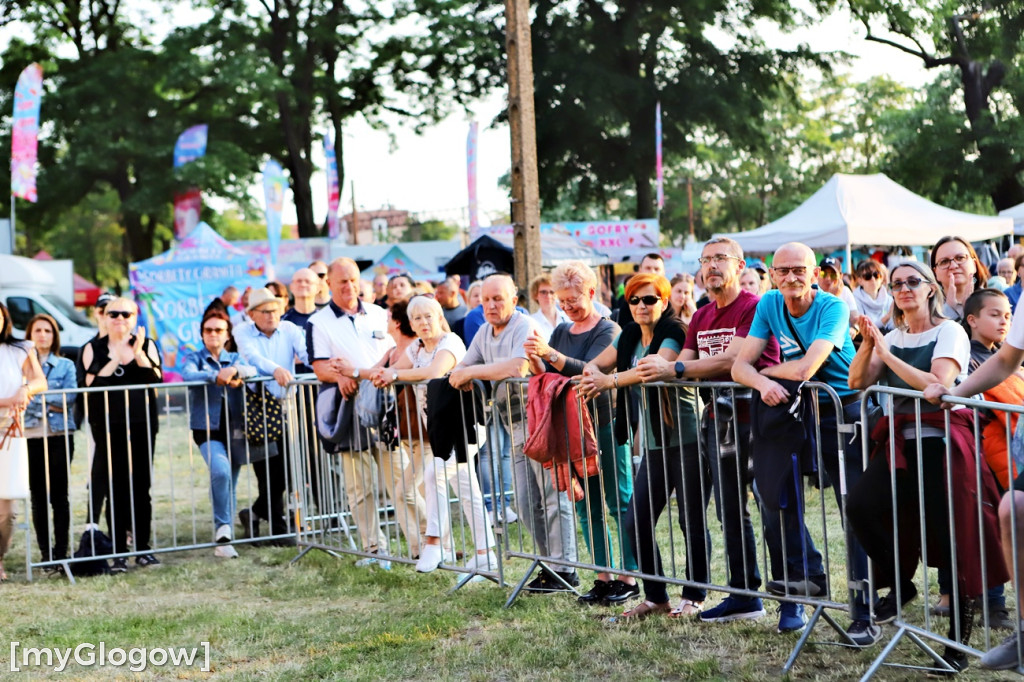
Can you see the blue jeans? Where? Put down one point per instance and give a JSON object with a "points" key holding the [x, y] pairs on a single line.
{"points": [[223, 481], [497, 439]]}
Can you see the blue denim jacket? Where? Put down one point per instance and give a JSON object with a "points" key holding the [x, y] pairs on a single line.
{"points": [[60, 374], [201, 366]]}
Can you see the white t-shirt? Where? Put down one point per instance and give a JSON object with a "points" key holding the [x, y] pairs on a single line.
{"points": [[420, 357], [1016, 335], [946, 340]]}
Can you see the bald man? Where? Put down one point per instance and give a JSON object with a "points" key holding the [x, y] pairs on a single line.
{"points": [[345, 339], [812, 328], [497, 353]]}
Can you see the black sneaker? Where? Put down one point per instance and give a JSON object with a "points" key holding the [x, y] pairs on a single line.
{"points": [[620, 592], [596, 595], [863, 634], [119, 565], [816, 586], [998, 619], [146, 561], [545, 583], [886, 609], [956, 659]]}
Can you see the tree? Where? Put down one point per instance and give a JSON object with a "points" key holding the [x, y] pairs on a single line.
{"points": [[113, 107], [982, 46], [429, 230]]}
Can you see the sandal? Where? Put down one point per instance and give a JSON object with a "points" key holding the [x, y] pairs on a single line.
{"points": [[644, 609], [686, 608]]}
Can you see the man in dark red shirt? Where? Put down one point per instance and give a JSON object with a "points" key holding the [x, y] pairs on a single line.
{"points": [[713, 340]]}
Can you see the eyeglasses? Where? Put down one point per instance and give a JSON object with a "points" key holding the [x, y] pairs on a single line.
{"points": [[571, 302], [268, 311], [870, 275], [799, 271], [911, 282], [114, 314], [648, 300], [215, 330], [545, 292], [718, 258], [959, 259]]}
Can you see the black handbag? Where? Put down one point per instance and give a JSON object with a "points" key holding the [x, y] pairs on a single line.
{"points": [[264, 423]]}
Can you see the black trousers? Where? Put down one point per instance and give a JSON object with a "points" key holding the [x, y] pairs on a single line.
{"points": [[130, 507], [272, 482], [663, 471], [48, 462]]}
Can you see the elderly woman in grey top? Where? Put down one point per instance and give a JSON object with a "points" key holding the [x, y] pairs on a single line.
{"points": [[572, 345]]}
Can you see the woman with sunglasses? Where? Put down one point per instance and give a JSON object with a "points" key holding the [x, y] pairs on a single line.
{"points": [[924, 348], [20, 379], [667, 429], [215, 406], [872, 293], [124, 424], [959, 272], [49, 427]]}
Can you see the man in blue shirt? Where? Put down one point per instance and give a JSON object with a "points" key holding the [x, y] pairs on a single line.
{"points": [[271, 345], [812, 328]]}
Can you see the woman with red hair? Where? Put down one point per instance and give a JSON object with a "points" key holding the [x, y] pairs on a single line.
{"points": [[667, 433]]}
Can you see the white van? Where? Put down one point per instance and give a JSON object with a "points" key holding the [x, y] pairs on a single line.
{"points": [[27, 289]]}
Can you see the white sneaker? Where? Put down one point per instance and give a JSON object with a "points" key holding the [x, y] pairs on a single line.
{"points": [[432, 556], [223, 533], [225, 552], [484, 563], [510, 515]]}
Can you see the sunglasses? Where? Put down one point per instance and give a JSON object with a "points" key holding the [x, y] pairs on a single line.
{"points": [[114, 314], [829, 273], [321, 275], [871, 275], [215, 330], [912, 283], [648, 300]]}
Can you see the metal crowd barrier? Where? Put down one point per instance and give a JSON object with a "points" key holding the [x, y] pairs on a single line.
{"points": [[559, 537], [366, 497], [159, 456], [919, 515]]}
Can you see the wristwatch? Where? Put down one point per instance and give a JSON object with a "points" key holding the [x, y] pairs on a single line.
{"points": [[553, 356], [394, 375], [355, 374], [680, 368]]}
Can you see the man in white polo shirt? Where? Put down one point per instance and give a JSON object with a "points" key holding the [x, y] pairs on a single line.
{"points": [[344, 339]]}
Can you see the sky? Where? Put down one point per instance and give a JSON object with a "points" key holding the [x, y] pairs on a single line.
{"points": [[427, 173]]}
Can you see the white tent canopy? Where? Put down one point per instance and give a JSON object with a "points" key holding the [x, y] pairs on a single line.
{"points": [[1017, 213], [869, 210]]}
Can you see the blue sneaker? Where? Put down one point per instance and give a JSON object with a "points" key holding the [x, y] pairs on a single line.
{"points": [[792, 617], [734, 608]]}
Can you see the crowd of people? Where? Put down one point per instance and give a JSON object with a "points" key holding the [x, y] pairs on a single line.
{"points": [[941, 327]]}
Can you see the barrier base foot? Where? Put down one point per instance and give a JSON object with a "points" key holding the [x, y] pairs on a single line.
{"points": [[467, 578], [819, 612], [310, 548], [552, 572]]}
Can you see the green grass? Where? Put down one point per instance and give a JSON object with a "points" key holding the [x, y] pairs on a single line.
{"points": [[323, 618]]}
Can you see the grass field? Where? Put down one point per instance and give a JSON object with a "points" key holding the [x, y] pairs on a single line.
{"points": [[324, 618]]}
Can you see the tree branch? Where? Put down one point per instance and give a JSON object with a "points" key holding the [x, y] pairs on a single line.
{"points": [[930, 61]]}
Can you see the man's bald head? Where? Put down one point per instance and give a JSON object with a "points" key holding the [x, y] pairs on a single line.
{"points": [[795, 250]]}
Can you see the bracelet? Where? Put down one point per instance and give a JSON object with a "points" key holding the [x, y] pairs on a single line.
{"points": [[615, 379]]}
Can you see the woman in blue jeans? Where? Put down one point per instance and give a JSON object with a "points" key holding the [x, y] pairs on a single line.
{"points": [[213, 407]]}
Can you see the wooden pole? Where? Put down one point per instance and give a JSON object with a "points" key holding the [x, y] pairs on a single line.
{"points": [[355, 216], [522, 126]]}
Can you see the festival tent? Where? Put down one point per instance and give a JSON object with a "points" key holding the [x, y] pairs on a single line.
{"points": [[396, 262], [1017, 214], [174, 288], [872, 210], [489, 254]]}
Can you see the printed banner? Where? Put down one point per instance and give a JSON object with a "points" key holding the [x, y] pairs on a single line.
{"points": [[191, 145], [657, 157], [333, 190], [274, 183], [28, 95], [471, 148], [614, 238]]}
